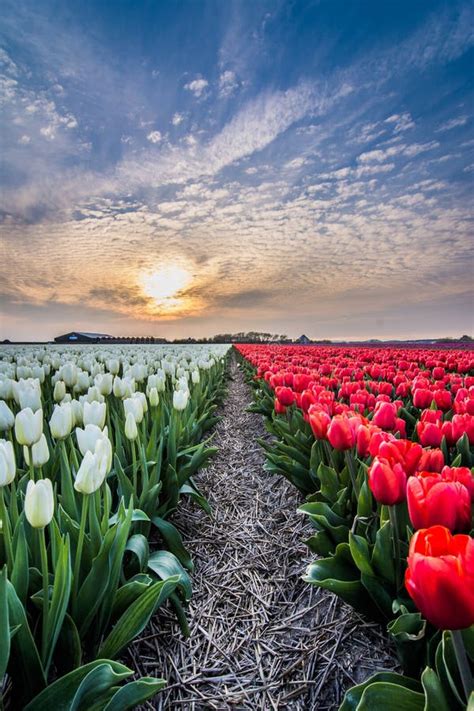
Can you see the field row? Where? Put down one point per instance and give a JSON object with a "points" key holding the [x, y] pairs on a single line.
{"points": [[381, 444], [99, 445]]}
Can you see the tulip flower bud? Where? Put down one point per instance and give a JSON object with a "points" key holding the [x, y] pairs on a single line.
{"points": [[61, 421], [180, 399], [7, 418], [7, 462], [59, 391], [95, 413], [153, 397], [131, 430], [195, 377], [39, 503], [28, 426], [40, 453]]}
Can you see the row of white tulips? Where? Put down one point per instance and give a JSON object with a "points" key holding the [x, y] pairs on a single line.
{"points": [[96, 445]]}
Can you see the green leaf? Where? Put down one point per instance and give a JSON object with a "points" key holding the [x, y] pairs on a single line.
{"points": [[360, 553], [134, 620], [94, 588], [191, 490], [434, 693], [390, 697], [165, 565], [138, 545], [68, 652], [20, 572], [135, 693], [25, 663], [60, 695], [382, 554], [339, 574], [59, 598], [173, 540], [390, 679], [4, 624]]}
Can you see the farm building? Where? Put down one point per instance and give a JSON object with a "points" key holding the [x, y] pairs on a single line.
{"points": [[86, 337], [82, 337]]}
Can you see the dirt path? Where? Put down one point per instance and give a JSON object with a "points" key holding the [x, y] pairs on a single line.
{"points": [[260, 637]]}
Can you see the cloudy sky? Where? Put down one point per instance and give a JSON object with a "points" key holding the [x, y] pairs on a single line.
{"points": [[187, 168]]}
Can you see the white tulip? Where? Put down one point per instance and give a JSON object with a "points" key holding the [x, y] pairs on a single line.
{"points": [[154, 397], [61, 422], [7, 462], [39, 503], [180, 399], [95, 413], [40, 453], [131, 430], [7, 418], [195, 377], [28, 426], [91, 473], [59, 390], [87, 437], [135, 406]]}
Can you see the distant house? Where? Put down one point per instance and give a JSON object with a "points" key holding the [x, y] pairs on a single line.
{"points": [[82, 337], [303, 340]]}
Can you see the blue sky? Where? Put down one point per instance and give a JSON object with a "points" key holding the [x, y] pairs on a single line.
{"points": [[186, 168]]}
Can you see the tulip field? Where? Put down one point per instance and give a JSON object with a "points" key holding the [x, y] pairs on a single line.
{"points": [[381, 444], [100, 445]]}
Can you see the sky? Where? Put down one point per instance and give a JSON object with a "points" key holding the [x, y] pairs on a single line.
{"points": [[191, 167]]}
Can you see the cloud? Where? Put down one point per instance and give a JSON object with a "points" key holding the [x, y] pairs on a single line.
{"points": [[228, 83], [154, 137], [177, 119], [453, 123], [402, 122], [197, 87]]}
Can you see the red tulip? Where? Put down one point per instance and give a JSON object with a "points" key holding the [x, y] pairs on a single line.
{"points": [[461, 474], [432, 460], [404, 452], [340, 433], [385, 415], [279, 408], [319, 421], [433, 500], [422, 398], [440, 577], [286, 396], [387, 481], [429, 433]]}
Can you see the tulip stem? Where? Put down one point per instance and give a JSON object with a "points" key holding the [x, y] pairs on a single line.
{"points": [[6, 531], [328, 450], [392, 512], [80, 544], [134, 470], [352, 472], [30, 457], [45, 576], [463, 664]]}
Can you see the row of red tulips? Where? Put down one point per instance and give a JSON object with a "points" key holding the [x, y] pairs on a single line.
{"points": [[381, 441]]}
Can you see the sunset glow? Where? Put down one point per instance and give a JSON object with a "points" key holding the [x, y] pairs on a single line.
{"points": [[164, 285]]}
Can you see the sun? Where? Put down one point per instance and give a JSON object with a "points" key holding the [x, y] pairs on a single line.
{"points": [[164, 284]]}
